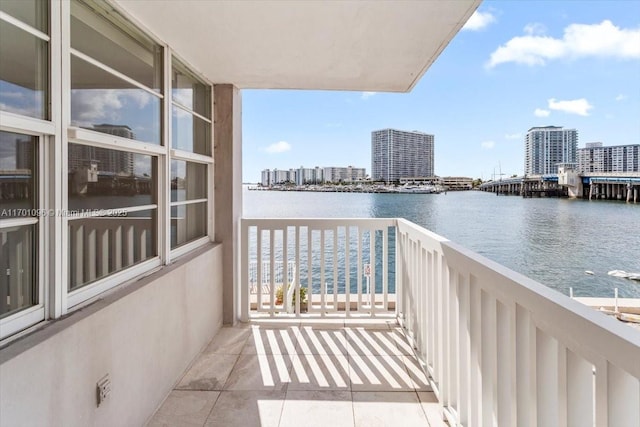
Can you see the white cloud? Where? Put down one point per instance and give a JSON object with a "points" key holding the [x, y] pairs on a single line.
{"points": [[488, 145], [278, 147], [621, 97], [367, 95], [479, 20], [92, 106], [534, 29], [513, 136], [539, 112], [580, 106], [578, 41]]}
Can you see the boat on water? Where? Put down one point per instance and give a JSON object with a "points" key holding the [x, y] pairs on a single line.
{"points": [[624, 274], [419, 189]]}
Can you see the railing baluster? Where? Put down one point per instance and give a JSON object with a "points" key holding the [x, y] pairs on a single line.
{"points": [[526, 369], [285, 271], [385, 269], [372, 267], [103, 251], [309, 268], [129, 245], [602, 392], [464, 348], [359, 261], [580, 392], [79, 254], [335, 269], [506, 359], [90, 252], [453, 358], [624, 398], [259, 280], [272, 273], [297, 279], [347, 271], [323, 285], [476, 354], [245, 302], [117, 248], [488, 358], [547, 379]]}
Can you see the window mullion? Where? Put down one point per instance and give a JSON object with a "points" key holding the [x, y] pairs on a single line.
{"points": [[164, 187]]}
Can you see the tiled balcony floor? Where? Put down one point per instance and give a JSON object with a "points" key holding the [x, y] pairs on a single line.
{"points": [[326, 373]]}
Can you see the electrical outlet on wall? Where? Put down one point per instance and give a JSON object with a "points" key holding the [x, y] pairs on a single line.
{"points": [[103, 389]]}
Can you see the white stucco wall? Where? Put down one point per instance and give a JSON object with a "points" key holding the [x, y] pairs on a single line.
{"points": [[143, 336]]}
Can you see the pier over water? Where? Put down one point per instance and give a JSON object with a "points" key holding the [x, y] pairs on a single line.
{"points": [[600, 186]]}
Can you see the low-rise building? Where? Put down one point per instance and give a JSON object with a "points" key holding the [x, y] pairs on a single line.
{"points": [[454, 183]]}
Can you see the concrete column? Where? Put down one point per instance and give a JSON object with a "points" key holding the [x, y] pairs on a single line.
{"points": [[228, 191], [590, 191], [635, 194]]}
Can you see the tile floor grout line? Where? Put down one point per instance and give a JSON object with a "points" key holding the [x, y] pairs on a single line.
{"points": [[211, 410]]}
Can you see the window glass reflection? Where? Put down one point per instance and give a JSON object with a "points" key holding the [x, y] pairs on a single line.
{"points": [[18, 286], [100, 246], [32, 12], [100, 178], [189, 91], [188, 222], [23, 78], [105, 103], [120, 47], [188, 181], [17, 175], [190, 133]]}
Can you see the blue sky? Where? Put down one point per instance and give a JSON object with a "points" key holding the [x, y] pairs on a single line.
{"points": [[516, 65]]}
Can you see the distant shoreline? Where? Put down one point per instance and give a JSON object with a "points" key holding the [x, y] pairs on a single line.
{"points": [[356, 188]]}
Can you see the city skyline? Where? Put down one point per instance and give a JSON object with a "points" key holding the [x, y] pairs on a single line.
{"points": [[516, 65]]}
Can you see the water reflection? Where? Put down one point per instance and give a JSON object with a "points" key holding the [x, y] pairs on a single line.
{"points": [[101, 178]]}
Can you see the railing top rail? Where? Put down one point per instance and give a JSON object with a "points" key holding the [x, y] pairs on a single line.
{"points": [[321, 222], [582, 329]]}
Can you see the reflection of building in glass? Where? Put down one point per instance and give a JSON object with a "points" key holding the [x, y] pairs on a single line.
{"points": [[24, 154], [16, 174], [114, 161]]}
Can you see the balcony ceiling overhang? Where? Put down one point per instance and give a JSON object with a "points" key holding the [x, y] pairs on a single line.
{"points": [[324, 45]]}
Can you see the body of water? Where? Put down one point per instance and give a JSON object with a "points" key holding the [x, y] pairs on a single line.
{"points": [[553, 241]]}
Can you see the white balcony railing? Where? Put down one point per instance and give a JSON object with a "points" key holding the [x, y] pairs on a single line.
{"points": [[498, 347]]}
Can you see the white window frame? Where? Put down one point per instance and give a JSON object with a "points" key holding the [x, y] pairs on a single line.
{"points": [[176, 154], [54, 136], [44, 131], [76, 135], [36, 313]]}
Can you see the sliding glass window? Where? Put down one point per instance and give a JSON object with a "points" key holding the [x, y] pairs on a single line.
{"points": [[19, 221], [116, 75], [191, 160], [113, 183], [24, 130]]}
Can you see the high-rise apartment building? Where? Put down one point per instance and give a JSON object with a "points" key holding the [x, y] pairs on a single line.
{"points": [[546, 147], [619, 158], [399, 154]]}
